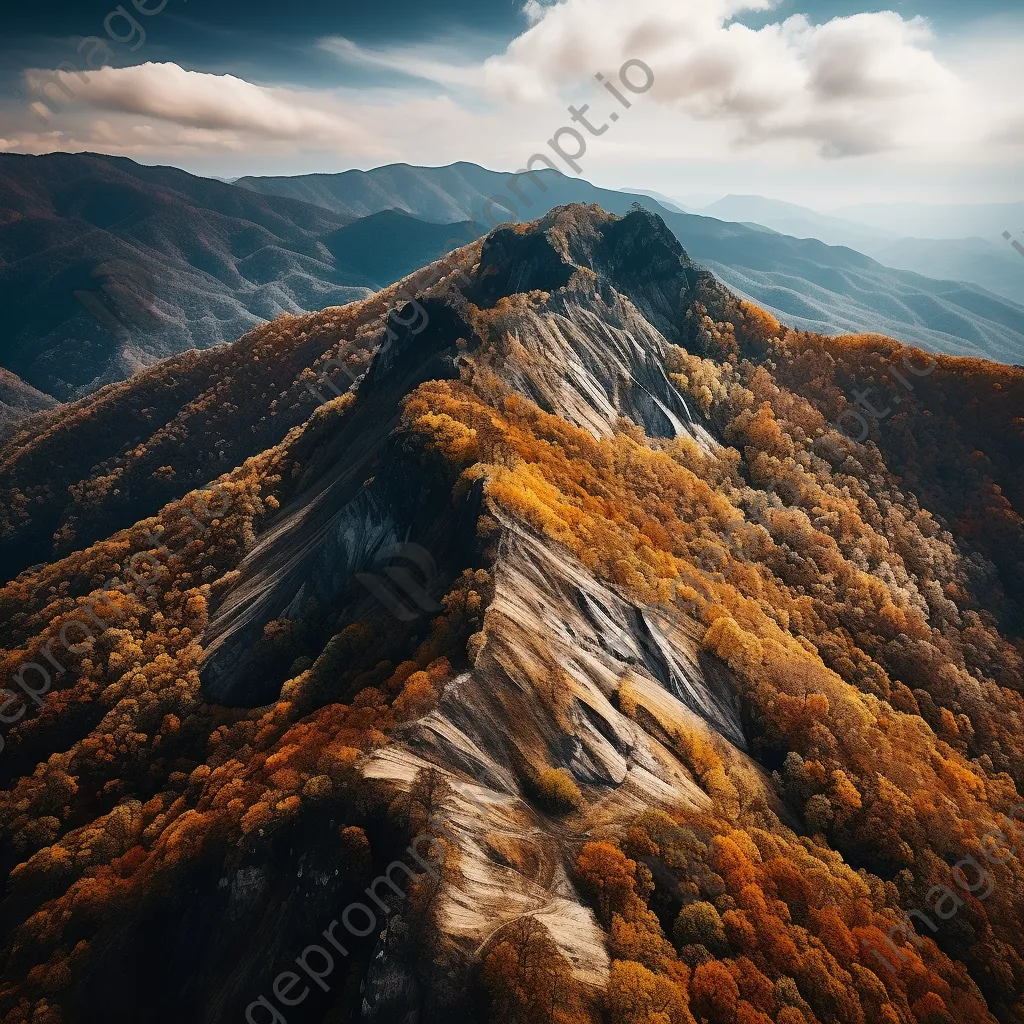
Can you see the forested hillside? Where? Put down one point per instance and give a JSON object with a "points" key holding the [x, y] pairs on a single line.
{"points": [[107, 266], [702, 704]]}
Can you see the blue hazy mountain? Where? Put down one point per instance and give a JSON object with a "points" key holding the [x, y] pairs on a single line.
{"points": [[982, 256]]}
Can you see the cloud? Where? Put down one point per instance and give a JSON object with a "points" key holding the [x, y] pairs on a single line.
{"points": [[852, 85], [864, 84], [445, 64], [193, 99], [162, 111], [878, 87], [1010, 131]]}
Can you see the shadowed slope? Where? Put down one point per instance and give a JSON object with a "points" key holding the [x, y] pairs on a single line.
{"points": [[18, 400]]}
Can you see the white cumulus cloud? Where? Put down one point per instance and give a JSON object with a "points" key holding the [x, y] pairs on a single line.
{"points": [[854, 85], [851, 85], [203, 101]]}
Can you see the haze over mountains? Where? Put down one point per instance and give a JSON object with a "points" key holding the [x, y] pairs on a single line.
{"points": [[109, 266], [930, 220], [959, 243]]}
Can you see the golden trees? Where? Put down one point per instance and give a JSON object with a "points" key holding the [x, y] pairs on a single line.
{"points": [[714, 992], [608, 875], [417, 697], [636, 995], [529, 979], [782, 929], [700, 924], [557, 788]]}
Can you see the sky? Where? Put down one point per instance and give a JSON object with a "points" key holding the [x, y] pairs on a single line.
{"points": [[821, 102]]}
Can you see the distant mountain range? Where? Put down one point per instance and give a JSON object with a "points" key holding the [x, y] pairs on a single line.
{"points": [[980, 257], [107, 266], [441, 194], [935, 220]]}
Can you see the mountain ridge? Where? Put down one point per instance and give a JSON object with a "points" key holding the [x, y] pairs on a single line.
{"points": [[811, 285], [700, 692], [986, 262], [129, 264]]}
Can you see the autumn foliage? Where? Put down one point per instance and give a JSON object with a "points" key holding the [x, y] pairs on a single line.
{"points": [[863, 598]]}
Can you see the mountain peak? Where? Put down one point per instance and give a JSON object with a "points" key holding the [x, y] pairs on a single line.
{"points": [[637, 254], [591, 300]]}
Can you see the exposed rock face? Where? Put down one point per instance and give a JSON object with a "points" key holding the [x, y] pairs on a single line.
{"points": [[339, 525], [638, 253], [586, 350], [588, 342], [550, 619]]}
